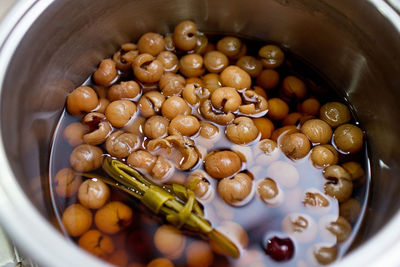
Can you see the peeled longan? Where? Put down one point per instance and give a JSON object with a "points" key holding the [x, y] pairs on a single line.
{"points": [[76, 219], [113, 217], [222, 164], [295, 146], [235, 77], [348, 138], [96, 243], [318, 131]]}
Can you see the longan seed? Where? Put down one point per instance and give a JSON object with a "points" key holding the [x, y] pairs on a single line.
{"points": [[67, 182], [76, 219], [113, 217]]}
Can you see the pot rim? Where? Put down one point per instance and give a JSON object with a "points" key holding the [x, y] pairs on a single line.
{"points": [[32, 232]]}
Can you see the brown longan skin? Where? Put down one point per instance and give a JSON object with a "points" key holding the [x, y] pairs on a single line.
{"points": [[82, 99], [67, 182], [156, 127], [93, 193], [113, 217], [335, 113], [106, 73], [184, 124], [76, 219], [295, 146], [151, 43], [85, 158], [235, 77], [348, 138], [119, 112], [222, 164], [318, 131]]}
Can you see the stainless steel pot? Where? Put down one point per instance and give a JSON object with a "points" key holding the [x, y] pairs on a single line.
{"points": [[49, 47]]}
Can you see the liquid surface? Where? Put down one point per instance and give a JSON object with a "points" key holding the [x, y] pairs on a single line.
{"points": [[261, 221]]}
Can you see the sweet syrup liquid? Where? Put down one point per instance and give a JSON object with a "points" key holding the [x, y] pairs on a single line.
{"points": [[260, 220]]}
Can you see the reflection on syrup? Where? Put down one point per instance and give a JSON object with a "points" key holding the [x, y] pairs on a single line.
{"points": [[300, 210]]}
